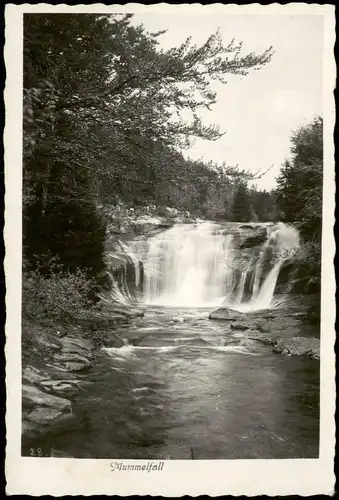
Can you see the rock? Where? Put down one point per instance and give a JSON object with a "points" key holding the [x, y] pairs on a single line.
{"points": [[32, 397], [259, 328], [247, 226], [60, 372], [42, 411], [73, 362], [65, 387], [300, 346], [112, 341], [239, 326], [232, 342], [257, 238], [61, 332], [77, 366], [290, 346], [72, 356], [262, 338], [33, 375], [224, 313], [84, 344], [248, 325], [73, 350], [45, 416]]}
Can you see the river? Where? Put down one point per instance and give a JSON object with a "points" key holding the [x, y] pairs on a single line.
{"points": [[190, 389]]}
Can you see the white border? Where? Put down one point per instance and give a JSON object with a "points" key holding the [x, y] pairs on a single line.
{"points": [[57, 476]]}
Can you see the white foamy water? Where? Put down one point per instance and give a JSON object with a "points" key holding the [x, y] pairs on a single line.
{"points": [[202, 265]]}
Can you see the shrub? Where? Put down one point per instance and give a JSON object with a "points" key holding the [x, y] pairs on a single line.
{"points": [[59, 295]]}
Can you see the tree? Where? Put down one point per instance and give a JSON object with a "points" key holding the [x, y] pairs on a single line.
{"points": [[103, 112], [264, 205], [299, 197], [241, 209], [299, 192]]}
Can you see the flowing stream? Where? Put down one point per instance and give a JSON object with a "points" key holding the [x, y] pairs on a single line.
{"points": [[184, 386]]}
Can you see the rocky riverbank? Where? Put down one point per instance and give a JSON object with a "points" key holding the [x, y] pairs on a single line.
{"points": [[56, 359], [285, 327]]}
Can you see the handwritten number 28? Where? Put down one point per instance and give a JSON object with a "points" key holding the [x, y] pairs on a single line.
{"points": [[36, 452]]}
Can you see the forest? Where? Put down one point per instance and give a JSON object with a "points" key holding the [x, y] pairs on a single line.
{"points": [[102, 118]]}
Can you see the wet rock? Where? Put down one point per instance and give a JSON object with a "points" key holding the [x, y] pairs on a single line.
{"points": [[59, 372], [262, 338], [66, 386], [72, 361], [290, 346], [239, 326], [43, 411], [300, 346], [256, 240], [72, 356], [33, 375], [61, 332], [259, 328], [224, 313], [256, 237], [247, 226], [81, 343], [77, 366], [32, 397], [249, 325], [71, 352], [231, 342], [112, 341]]}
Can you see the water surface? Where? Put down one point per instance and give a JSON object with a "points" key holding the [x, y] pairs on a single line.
{"points": [[191, 388]]}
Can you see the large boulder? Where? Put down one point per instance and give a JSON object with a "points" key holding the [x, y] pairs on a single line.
{"points": [[226, 314]]}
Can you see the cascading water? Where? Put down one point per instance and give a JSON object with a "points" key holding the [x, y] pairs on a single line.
{"points": [[188, 265], [202, 265], [284, 241]]}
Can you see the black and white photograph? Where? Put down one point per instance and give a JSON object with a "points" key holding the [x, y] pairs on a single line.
{"points": [[171, 244]]}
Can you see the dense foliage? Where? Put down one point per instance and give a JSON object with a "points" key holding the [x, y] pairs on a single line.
{"points": [[299, 197], [60, 295], [300, 181]]}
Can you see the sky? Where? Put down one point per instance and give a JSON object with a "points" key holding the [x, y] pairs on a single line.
{"points": [[261, 110]]}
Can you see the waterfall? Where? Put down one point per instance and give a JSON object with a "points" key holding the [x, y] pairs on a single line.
{"points": [[204, 265], [284, 241]]}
